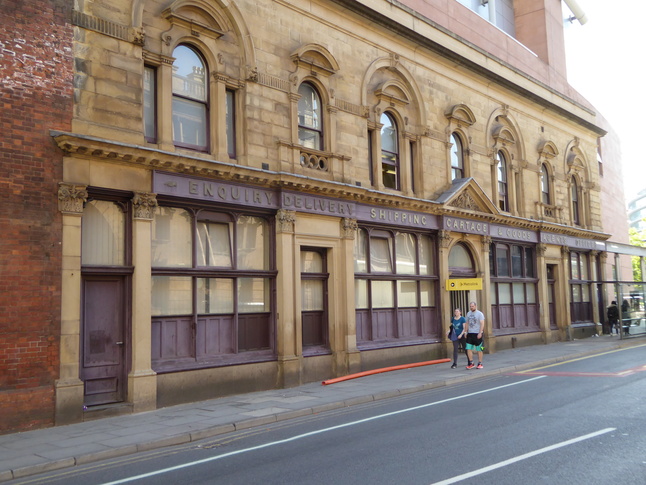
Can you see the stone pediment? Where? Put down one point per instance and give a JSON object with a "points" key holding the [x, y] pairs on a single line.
{"points": [[466, 195]]}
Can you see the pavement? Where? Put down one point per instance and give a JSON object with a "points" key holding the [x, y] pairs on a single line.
{"points": [[43, 450]]}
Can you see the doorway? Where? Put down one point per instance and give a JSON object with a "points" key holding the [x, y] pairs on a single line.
{"points": [[103, 369], [460, 299]]}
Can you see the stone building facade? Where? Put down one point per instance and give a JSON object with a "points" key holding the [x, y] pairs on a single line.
{"points": [[257, 194]]}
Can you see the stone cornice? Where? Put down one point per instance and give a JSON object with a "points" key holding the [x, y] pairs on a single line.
{"points": [[89, 147]]}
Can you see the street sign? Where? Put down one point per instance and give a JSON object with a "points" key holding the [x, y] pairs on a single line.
{"points": [[464, 284]]}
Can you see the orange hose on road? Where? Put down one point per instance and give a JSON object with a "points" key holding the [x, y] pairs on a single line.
{"points": [[383, 369]]}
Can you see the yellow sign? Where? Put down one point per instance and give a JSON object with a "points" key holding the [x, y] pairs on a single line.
{"points": [[464, 284]]}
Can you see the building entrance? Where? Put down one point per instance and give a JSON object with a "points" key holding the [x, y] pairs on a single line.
{"points": [[103, 366]]}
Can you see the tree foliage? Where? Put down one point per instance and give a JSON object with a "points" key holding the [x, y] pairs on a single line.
{"points": [[637, 238]]}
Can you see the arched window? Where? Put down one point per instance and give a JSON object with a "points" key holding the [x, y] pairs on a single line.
{"points": [[576, 215], [310, 121], [546, 195], [501, 171], [389, 152], [457, 157], [460, 260], [190, 99]]}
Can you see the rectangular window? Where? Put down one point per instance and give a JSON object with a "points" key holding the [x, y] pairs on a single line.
{"points": [[172, 295], [382, 294], [390, 307], [427, 293], [214, 296], [360, 294], [406, 294], [412, 166], [406, 253], [253, 295], [189, 123], [519, 293], [371, 162], [214, 244], [516, 261], [211, 287], [504, 293], [231, 123], [172, 241], [360, 252], [380, 255], [150, 104], [103, 234], [253, 243], [502, 260]]}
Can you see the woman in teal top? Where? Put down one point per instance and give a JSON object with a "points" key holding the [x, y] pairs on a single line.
{"points": [[456, 333]]}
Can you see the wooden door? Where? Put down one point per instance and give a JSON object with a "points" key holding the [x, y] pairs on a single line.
{"points": [[103, 348]]}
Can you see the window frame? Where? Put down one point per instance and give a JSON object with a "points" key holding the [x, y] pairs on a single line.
{"points": [[390, 161], [380, 325], [518, 312], [206, 103], [502, 188], [198, 330], [152, 98], [574, 200], [457, 154], [320, 132], [317, 316], [546, 189]]}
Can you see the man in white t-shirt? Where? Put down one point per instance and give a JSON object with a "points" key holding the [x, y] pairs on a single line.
{"points": [[475, 330]]}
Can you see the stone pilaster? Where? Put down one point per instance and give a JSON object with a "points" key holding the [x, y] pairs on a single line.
{"points": [[69, 387], [142, 380]]}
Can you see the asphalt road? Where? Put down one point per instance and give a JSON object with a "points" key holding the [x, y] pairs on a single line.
{"points": [[577, 422]]}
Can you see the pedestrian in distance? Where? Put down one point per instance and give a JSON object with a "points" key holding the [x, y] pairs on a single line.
{"points": [[475, 335], [613, 317], [457, 334]]}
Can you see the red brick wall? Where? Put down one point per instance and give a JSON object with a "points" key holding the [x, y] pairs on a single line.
{"points": [[36, 88]]}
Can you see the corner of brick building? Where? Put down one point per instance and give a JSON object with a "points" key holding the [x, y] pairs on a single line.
{"points": [[36, 62]]}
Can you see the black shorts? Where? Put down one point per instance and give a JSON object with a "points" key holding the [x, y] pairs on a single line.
{"points": [[472, 338]]}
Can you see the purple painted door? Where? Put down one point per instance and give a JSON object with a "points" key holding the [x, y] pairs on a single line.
{"points": [[103, 363]]}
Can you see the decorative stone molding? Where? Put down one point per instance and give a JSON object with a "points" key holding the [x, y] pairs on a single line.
{"points": [[445, 238], [465, 201], [486, 243], [285, 220], [348, 228], [565, 251], [139, 36], [144, 205], [541, 249], [71, 198]]}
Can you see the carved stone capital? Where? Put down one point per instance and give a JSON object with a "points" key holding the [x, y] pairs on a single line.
{"points": [[144, 205], [541, 249], [565, 251], [285, 220], [71, 198], [486, 243], [348, 228]]}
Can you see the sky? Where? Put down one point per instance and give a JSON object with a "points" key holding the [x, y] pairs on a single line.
{"points": [[606, 63]]}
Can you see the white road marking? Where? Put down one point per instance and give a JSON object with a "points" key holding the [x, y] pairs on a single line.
{"points": [[516, 459], [311, 433]]}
